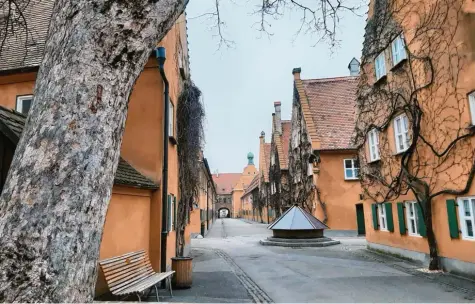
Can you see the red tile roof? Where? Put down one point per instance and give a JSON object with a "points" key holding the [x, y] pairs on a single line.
{"points": [[225, 182], [253, 185], [332, 105]]}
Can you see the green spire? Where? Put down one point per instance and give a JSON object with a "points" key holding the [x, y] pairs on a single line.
{"points": [[250, 158]]}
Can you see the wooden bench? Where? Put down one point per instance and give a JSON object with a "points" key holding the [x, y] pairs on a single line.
{"points": [[133, 273]]}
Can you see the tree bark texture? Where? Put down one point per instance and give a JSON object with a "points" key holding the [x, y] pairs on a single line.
{"points": [[54, 202]]}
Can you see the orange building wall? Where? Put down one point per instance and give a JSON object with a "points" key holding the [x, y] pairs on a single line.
{"points": [[195, 222], [12, 86], [450, 248], [248, 174], [459, 249], [340, 195], [127, 226]]}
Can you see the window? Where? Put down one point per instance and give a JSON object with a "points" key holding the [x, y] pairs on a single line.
{"points": [[380, 66], [467, 217], [272, 159], [273, 188], [401, 133], [471, 104], [171, 212], [398, 50], [171, 117], [383, 224], [411, 216], [351, 169], [373, 145], [23, 103]]}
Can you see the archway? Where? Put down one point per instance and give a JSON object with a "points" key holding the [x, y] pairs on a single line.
{"points": [[224, 213]]}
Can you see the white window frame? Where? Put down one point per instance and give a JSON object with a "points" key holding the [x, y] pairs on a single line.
{"points": [[171, 119], [19, 102], [171, 226], [463, 218], [373, 141], [353, 167], [382, 218], [471, 104], [411, 206], [398, 50], [380, 66], [401, 133]]}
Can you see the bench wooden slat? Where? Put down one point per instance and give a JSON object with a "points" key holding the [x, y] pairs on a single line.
{"points": [[121, 257], [119, 268], [131, 283], [131, 272], [147, 282], [113, 264], [130, 277], [134, 268]]}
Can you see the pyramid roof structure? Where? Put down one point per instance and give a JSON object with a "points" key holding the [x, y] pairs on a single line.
{"points": [[296, 218]]}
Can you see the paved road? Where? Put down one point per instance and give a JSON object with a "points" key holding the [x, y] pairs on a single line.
{"points": [[342, 273]]}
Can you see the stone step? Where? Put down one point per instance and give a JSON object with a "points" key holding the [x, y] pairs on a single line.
{"points": [[314, 240], [306, 244]]}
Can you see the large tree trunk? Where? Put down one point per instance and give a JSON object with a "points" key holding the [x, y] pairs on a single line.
{"points": [[53, 206]]}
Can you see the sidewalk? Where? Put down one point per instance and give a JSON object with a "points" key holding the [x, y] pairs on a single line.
{"points": [[214, 281]]}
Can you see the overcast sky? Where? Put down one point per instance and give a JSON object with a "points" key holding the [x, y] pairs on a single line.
{"points": [[241, 83]]}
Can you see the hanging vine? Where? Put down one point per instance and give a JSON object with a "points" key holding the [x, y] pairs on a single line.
{"points": [[190, 114]]}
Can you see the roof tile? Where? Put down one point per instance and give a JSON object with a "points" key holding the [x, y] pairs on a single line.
{"points": [[332, 106], [125, 175]]}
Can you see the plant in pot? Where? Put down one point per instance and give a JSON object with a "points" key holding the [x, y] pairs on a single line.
{"points": [[190, 136]]}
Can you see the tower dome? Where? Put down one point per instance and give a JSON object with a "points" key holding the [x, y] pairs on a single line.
{"points": [[250, 158]]}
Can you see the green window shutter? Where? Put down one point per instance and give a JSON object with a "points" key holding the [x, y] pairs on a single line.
{"points": [[374, 208], [174, 212], [389, 216], [420, 221], [452, 216], [169, 220], [401, 218]]}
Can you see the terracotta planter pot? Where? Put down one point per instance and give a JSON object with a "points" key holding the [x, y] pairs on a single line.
{"points": [[182, 278]]}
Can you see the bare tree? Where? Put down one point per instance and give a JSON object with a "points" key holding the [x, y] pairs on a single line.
{"points": [[438, 156], [54, 201]]}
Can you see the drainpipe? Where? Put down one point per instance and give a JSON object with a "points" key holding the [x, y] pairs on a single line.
{"points": [[161, 57]]}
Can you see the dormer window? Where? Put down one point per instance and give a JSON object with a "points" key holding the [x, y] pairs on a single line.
{"points": [[23, 103], [380, 66], [398, 50]]}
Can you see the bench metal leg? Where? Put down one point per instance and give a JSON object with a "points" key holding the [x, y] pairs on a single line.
{"points": [[156, 292], [138, 296], [169, 279]]}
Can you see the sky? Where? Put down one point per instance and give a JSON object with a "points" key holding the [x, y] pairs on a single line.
{"points": [[241, 83]]}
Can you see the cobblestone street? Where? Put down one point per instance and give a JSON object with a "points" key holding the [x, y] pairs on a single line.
{"points": [[231, 266]]}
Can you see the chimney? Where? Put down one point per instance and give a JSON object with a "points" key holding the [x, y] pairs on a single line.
{"points": [[278, 117], [262, 144], [354, 67], [296, 73]]}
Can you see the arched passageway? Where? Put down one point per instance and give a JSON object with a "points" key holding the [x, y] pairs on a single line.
{"points": [[224, 212]]}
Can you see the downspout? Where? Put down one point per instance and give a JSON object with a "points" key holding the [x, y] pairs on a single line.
{"points": [[267, 201], [161, 57]]}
